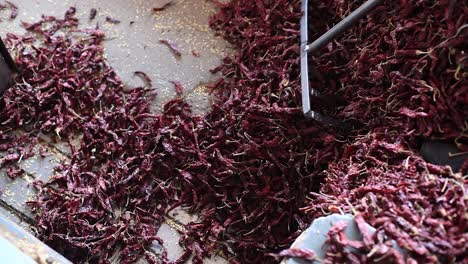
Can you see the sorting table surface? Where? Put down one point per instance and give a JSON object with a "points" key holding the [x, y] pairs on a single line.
{"points": [[132, 45]]}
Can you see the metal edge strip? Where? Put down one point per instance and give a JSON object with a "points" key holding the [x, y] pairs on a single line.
{"points": [[28, 244], [304, 60]]}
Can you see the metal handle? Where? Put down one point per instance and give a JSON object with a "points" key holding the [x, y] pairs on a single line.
{"points": [[344, 25]]}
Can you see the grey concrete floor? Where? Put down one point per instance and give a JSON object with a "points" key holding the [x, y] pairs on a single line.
{"points": [[130, 47]]}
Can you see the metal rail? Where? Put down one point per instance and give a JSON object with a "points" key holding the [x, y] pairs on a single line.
{"points": [[22, 247], [345, 24], [315, 46]]}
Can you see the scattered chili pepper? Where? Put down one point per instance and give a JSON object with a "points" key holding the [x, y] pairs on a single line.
{"points": [[13, 8], [92, 13], [43, 152], [303, 254], [178, 87], [172, 46], [112, 20], [14, 171], [145, 78], [162, 7], [195, 53]]}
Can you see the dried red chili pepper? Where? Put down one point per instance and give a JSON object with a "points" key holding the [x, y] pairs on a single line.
{"points": [[298, 253], [178, 87], [162, 7], [112, 20], [13, 8], [145, 78], [172, 46], [195, 53], [92, 13]]}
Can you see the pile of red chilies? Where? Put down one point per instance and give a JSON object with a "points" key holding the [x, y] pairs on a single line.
{"points": [[403, 72], [253, 168]]}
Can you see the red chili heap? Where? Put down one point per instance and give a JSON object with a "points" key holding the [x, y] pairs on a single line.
{"points": [[253, 168]]}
